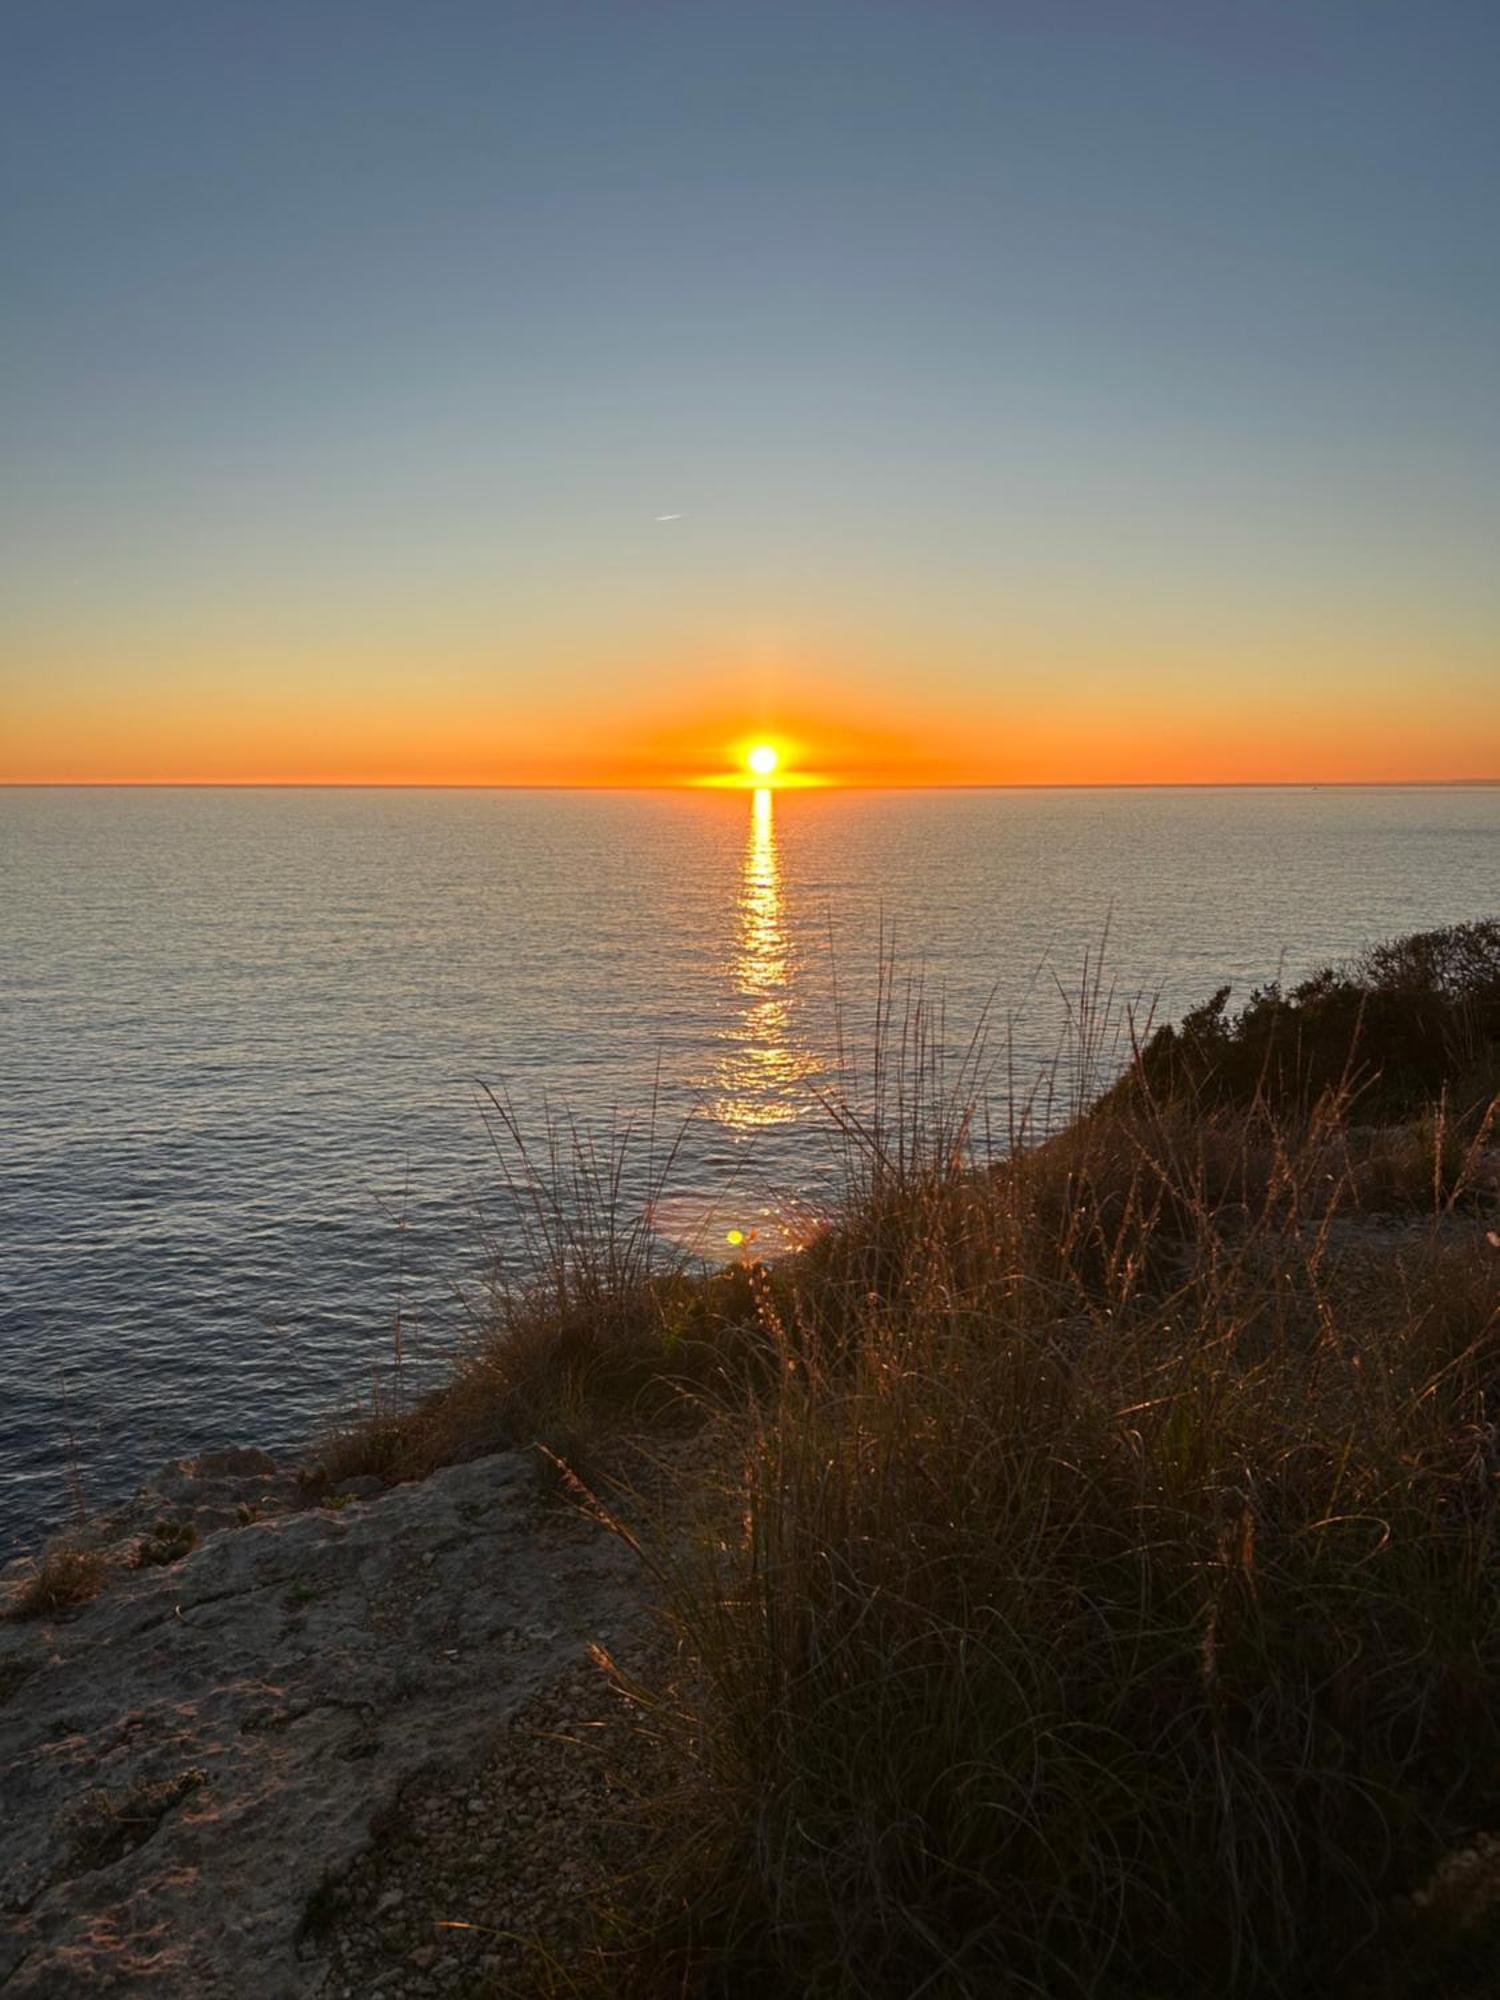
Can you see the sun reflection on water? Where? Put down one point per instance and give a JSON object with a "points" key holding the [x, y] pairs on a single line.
{"points": [[760, 1063], [761, 1072]]}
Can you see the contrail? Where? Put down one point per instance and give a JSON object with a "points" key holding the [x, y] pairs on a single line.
{"points": [[669, 517]]}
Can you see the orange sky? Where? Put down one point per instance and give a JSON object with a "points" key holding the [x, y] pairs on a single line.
{"points": [[1086, 721], [983, 395]]}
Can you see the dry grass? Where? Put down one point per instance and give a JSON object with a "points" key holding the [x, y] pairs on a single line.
{"points": [[1099, 1591], [595, 1334], [60, 1580], [1102, 1598]]}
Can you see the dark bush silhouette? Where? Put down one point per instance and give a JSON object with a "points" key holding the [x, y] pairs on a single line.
{"points": [[1408, 1022]]}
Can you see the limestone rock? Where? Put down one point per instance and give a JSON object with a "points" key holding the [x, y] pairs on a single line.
{"points": [[187, 1762]]}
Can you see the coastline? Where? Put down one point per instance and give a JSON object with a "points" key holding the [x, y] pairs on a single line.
{"points": [[1160, 1442]]}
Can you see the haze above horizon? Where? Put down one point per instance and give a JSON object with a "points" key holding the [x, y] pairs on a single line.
{"points": [[483, 394]]}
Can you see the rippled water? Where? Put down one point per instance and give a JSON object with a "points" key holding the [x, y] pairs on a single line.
{"points": [[241, 1034]]}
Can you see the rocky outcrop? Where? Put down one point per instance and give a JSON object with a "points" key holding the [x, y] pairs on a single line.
{"points": [[188, 1763]]}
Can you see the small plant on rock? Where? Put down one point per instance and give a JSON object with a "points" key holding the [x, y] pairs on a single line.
{"points": [[167, 1542], [62, 1579], [110, 1825]]}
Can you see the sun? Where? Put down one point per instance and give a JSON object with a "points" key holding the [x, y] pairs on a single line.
{"points": [[763, 764]]}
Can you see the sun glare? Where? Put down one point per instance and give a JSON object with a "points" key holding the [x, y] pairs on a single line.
{"points": [[763, 764]]}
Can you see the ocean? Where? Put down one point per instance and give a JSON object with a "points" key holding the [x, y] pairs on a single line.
{"points": [[248, 1039]]}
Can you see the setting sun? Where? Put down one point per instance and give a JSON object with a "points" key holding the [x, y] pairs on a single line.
{"points": [[804, 754]]}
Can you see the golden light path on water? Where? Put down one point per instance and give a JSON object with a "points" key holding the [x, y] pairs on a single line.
{"points": [[760, 1062], [762, 1069]]}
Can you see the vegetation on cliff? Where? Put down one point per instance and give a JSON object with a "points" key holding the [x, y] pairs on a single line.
{"points": [[1410, 1022], [1093, 1579]]}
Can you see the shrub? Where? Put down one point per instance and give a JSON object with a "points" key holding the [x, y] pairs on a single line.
{"points": [[1400, 1027], [168, 1542]]}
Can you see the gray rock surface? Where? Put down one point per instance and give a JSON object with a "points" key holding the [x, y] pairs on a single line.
{"points": [[189, 1761]]}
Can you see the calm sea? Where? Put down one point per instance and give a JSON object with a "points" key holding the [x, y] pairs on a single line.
{"points": [[243, 1036]]}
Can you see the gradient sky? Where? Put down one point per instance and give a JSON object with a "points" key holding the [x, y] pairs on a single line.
{"points": [[1048, 392]]}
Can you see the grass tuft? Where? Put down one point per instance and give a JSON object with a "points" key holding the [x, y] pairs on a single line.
{"points": [[61, 1580], [595, 1334]]}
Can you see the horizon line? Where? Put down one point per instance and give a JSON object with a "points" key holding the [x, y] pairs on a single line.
{"points": [[737, 784]]}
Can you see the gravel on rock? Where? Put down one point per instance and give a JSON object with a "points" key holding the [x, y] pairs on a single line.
{"points": [[476, 1874]]}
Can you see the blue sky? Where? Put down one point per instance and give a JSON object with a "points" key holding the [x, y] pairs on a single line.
{"points": [[996, 358]]}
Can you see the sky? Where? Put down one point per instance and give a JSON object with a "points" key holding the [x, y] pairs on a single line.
{"points": [[1019, 392]]}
